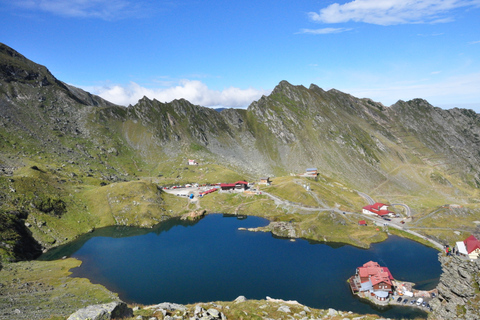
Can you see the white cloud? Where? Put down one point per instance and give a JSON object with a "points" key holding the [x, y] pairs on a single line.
{"points": [[192, 90], [461, 89], [103, 9], [391, 12], [324, 30]]}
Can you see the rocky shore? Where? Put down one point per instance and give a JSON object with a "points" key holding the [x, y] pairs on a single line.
{"points": [[458, 289], [278, 228], [240, 308]]}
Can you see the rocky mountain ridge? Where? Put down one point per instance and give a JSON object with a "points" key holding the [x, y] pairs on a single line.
{"points": [[355, 140]]}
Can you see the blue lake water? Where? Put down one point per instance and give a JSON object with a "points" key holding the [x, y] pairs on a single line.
{"points": [[212, 260]]}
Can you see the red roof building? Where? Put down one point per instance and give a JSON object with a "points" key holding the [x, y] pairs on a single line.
{"points": [[379, 209], [373, 278], [362, 222], [239, 185], [472, 245]]}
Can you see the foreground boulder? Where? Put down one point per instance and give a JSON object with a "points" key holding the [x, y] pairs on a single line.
{"points": [[107, 311]]}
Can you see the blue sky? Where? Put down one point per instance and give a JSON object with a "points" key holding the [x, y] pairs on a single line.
{"points": [[230, 53]]}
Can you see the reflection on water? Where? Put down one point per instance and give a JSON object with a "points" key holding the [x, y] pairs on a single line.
{"points": [[211, 260]]}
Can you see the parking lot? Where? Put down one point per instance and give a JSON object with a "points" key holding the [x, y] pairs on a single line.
{"points": [[422, 303]]}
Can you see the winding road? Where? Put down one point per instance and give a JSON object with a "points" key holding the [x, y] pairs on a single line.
{"points": [[408, 212], [308, 210], [398, 226]]}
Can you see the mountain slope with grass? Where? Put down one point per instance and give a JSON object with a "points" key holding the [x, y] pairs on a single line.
{"points": [[71, 161], [61, 146]]}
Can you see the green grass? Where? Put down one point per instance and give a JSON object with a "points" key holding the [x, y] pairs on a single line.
{"points": [[45, 288], [410, 236], [291, 189]]}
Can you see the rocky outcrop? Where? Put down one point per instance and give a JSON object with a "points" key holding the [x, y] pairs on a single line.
{"points": [[107, 311], [458, 290], [279, 228], [194, 215]]}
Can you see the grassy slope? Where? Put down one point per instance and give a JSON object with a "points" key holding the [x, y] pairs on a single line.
{"points": [[44, 290]]}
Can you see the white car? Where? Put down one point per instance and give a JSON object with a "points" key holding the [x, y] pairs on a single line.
{"points": [[419, 301]]}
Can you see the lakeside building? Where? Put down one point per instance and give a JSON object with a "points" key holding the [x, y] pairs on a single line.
{"points": [[372, 281], [379, 209], [469, 248], [237, 186]]}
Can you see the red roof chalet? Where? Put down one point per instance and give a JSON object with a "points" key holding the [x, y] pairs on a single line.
{"points": [[373, 279], [471, 243], [236, 185], [380, 209], [372, 270]]}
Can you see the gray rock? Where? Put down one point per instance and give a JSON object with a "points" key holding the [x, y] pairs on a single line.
{"points": [[240, 299], [332, 312], [198, 312], [457, 289], [163, 311], [213, 313], [170, 306], [284, 308], [107, 311]]}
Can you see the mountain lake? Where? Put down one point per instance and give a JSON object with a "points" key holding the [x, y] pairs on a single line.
{"points": [[211, 260]]}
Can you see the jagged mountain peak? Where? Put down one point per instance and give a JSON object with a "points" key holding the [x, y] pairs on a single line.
{"points": [[358, 141], [285, 87], [315, 88]]}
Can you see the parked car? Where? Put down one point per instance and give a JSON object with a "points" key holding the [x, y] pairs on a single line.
{"points": [[399, 299], [405, 301], [424, 304], [419, 301], [433, 294], [412, 301]]}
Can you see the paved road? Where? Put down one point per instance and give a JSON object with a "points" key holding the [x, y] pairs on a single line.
{"points": [[308, 210], [407, 208], [366, 197], [381, 222], [281, 202]]}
